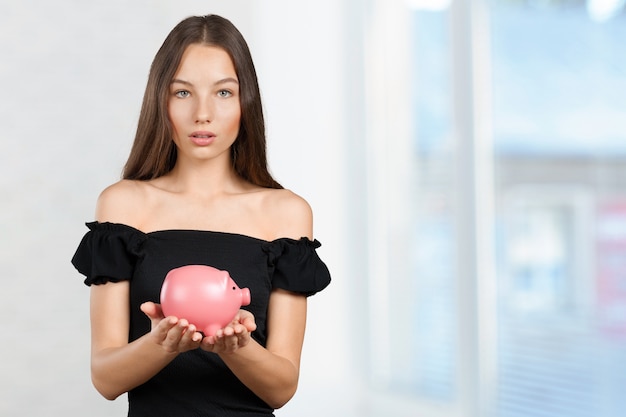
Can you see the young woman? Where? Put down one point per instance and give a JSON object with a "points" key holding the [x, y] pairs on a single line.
{"points": [[196, 190]]}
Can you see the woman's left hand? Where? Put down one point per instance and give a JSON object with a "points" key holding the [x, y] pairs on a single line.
{"points": [[232, 337]]}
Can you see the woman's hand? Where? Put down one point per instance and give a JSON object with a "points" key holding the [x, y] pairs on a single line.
{"points": [[232, 337], [172, 334]]}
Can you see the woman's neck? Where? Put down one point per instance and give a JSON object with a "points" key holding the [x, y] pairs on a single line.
{"points": [[204, 178]]}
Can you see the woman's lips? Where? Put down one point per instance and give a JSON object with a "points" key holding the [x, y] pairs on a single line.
{"points": [[202, 138]]}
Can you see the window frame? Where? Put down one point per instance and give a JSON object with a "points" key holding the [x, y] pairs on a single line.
{"points": [[388, 166]]}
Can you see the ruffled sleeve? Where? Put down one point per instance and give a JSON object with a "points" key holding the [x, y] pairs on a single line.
{"points": [[108, 252], [295, 266]]}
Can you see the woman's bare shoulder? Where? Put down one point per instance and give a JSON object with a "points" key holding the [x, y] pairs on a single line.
{"points": [[285, 199], [290, 214], [121, 202]]}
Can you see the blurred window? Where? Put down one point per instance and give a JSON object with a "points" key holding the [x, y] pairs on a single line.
{"points": [[556, 127], [559, 130]]}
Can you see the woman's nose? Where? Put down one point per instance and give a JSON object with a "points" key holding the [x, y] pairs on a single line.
{"points": [[204, 111]]}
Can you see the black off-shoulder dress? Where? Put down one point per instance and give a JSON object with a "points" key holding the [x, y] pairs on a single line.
{"points": [[197, 383]]}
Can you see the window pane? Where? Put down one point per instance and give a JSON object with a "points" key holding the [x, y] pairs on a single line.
{"points": [[559, 82], [426, 365]]}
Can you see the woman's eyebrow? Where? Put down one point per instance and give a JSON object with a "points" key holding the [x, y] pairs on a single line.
{"points": [[179, 81], [227, 80], [218, 82]]}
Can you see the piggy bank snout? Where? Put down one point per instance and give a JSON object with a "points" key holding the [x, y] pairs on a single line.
{"points": [[245, 297]]}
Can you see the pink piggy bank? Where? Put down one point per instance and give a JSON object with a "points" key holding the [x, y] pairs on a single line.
{"points": [[207, 297]]}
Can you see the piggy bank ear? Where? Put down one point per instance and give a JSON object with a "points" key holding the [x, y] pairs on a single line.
{"points": [[230, 283], [225, 277]]}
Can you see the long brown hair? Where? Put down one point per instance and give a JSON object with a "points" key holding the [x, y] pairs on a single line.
{"points": [[154, 153]]}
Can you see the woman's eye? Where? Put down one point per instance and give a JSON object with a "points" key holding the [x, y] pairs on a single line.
{"points": [[224, 93], [182, 93]]}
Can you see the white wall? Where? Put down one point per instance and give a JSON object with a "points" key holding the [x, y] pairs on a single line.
{"points": [[298, 50], [72, 74]]}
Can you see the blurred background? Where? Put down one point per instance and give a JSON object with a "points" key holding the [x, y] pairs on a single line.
{"points": [[465, 160]]}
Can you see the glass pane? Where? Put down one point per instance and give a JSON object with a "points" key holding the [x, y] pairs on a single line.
{"points": [[426, 365], [559, 82]]}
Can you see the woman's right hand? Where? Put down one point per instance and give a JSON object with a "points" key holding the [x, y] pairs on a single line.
{"points": [[172, 334]]}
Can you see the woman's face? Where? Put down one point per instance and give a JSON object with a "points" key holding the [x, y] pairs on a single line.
{"points": [[203, 104]]}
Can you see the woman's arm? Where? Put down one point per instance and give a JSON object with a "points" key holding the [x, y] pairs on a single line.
{"points": [[118, 366], [272, 373]]}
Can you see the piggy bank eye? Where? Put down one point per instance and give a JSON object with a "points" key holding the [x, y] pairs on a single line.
{"points": [[234, 288]]}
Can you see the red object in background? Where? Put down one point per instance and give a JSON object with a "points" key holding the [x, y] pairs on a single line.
{"points": [[611, 267]]}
